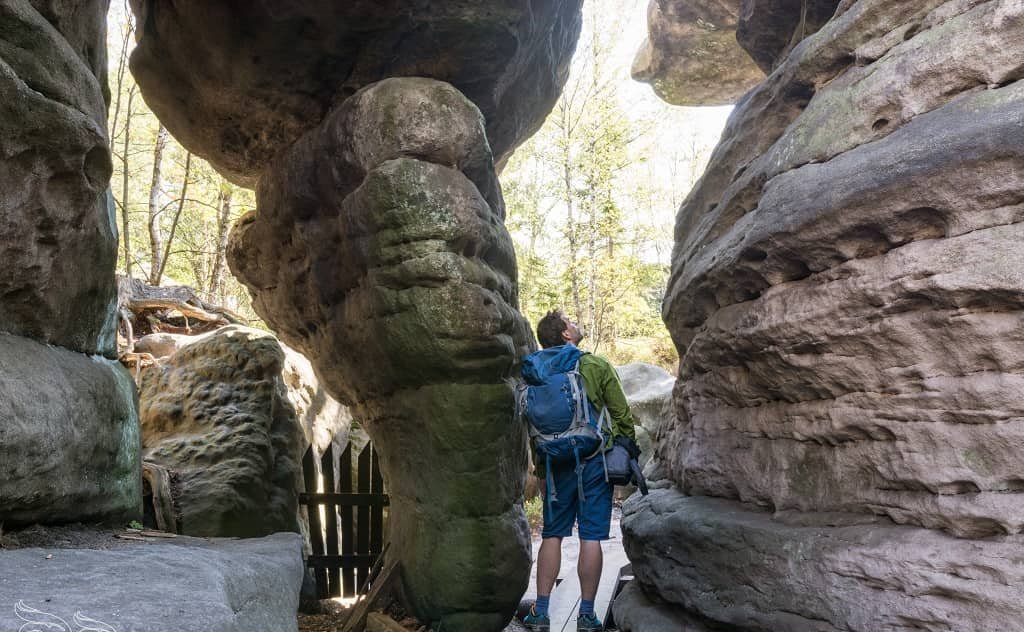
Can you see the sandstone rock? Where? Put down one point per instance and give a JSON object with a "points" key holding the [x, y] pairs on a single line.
{"points": [[69, 437], [381, 231], [161, 345], [691, 56], [635, 612], [744, 570], [189, 585], [230, 415], [769, 29], [58, 240], [320, 416], [847, 287], [850, 324], [258, 76], [648, 390]]}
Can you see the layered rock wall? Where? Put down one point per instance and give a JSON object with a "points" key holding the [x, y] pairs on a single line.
{"points": [[847, 288], [68, 428]]}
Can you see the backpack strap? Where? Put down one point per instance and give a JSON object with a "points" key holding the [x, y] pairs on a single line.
{"points": [[579, 395], [552, 495]]}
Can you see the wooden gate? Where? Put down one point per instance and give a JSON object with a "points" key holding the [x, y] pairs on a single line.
{"points": [[349, 535]]}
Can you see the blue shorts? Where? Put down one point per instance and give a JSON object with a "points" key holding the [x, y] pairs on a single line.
{"points": [[594, 513]]}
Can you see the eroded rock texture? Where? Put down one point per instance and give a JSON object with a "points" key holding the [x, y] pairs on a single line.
{"points": [[58, 242], [812, 572], [68, 427], [691, 56], [847, 286], [229, 414], [238, 83], [379, 251]]}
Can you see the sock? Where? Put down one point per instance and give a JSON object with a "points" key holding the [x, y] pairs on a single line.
{"points": [[586, 607], [541, 606]]}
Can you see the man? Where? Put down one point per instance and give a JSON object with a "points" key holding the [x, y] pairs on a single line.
{"points": [[593, 512]]}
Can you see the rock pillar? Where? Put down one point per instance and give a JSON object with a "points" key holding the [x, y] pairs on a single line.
{"points": [[69, 441], [379, 251]]}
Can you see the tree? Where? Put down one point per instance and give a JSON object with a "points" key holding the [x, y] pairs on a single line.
{"points": [[156, 238]]}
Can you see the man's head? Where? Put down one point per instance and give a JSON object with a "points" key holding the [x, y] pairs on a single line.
{"points": [[556, 329]]}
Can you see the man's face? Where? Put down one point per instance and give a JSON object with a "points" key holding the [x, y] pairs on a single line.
{"points": [[573, 333]]}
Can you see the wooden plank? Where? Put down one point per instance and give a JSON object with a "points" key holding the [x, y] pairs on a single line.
{"points": [[376, 511], [316, 543], [363, 513], [348, 575], [378, 592], [331, 521], [339, 561], [345, 499]]}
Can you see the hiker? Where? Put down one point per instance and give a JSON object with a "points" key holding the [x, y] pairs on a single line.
{"points": [[576, 486]]}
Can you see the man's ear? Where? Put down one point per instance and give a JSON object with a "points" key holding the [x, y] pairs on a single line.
{"points": [[566, 336]]}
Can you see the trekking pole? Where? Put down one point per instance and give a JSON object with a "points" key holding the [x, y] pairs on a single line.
{"points": [[576, 603]]}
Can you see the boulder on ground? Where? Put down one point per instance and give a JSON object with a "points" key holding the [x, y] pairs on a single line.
{"points": [[648, 390], [180, 585], [69, 437], [745, 570], [230, 414]]}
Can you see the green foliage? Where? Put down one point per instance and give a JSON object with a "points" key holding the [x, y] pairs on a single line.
{"points": [[590, 217], [535, 513], [135, 524], [190, 196]]}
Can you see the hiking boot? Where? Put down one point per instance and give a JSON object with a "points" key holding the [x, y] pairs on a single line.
{"points": [[589, 623], [535, 622]]}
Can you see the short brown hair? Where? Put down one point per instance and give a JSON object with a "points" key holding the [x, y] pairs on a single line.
{"points": [[550, 328]]}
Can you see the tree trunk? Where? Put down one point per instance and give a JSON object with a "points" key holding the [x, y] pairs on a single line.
{"points": [[572, 233], [126, 235], [177, 216], [156, 238], [220, 262]]}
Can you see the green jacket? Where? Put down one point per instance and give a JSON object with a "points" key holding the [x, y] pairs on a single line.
{"points": [[603, 389]]}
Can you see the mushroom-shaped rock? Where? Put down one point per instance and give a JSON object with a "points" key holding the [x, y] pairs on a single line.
{"points": [[379, 251], [691, 56], [238, 83]]}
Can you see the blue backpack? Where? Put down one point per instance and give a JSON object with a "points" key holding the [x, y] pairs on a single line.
{"points": [[562, 422]]}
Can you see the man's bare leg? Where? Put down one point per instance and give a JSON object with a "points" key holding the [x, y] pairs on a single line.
{"points": [[549, 563], [589, 568]]}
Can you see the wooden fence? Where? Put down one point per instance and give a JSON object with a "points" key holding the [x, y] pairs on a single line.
{"points": [[349, 535]]}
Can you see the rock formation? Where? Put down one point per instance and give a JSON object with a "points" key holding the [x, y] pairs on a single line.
{"points": [[400, 286], [769, 29], [691, 56], [239, 84], [847, 288], [378, 248], [162, 585], [68, 430], [648, 390], [229, 415]]}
